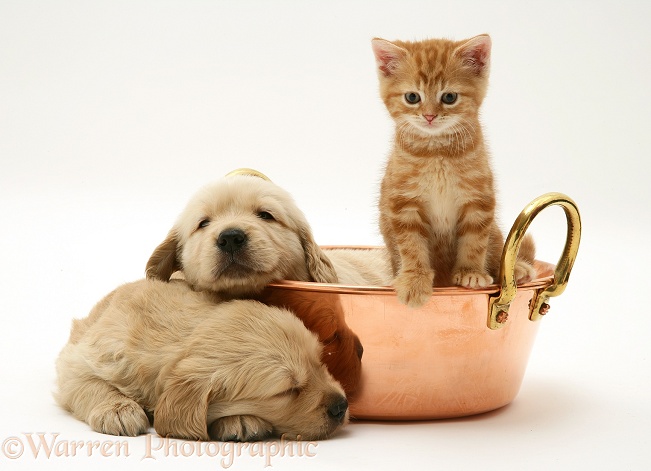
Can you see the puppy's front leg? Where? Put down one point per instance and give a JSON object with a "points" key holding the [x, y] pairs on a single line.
{"points": [[240, 428], [95, 401], [103, 407], [117, 415]]}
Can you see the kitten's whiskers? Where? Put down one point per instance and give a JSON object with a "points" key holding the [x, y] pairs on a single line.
{"points": [[462, 136]]}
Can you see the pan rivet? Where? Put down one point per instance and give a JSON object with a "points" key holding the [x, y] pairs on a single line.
{"points": [[501, 317], [544, 309]]}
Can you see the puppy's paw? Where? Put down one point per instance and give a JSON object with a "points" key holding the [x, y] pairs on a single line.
{"points": [[125, 418], [240, 428], [414, 288], [524, 272], [471, 279]]}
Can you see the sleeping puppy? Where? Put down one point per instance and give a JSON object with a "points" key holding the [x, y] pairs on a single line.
{"points": [[237, 370], [243, 232]]}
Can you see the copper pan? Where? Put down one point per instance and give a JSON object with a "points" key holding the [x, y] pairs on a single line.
{"points": [[464, 352]]}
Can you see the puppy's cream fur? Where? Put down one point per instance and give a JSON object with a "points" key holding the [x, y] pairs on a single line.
{"points": [[236, 370], [361, 266]]}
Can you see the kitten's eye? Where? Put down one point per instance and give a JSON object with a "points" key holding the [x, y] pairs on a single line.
{"points": [[449, 98], [203, 223], [266, 215], [412, 98]]}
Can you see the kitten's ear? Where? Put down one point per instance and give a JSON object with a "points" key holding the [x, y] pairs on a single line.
{"points": [[387, 56], [164, 261], [476, 53]]}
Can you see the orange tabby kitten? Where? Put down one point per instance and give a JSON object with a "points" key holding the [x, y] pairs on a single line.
{"points": [[437, 200]]}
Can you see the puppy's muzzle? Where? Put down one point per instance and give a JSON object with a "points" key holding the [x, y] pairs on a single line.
{"points": [[337, 409], [231, 240]]}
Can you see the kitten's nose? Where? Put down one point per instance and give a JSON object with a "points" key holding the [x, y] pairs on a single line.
{"points": [[429, 117]]}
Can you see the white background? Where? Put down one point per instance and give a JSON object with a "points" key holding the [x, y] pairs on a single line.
{"points": [[113, 113]]}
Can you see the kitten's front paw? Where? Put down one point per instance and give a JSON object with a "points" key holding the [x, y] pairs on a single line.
{"points": [[125, 418], [471, 279], [240, 428], [524, 272], [414, 288]]}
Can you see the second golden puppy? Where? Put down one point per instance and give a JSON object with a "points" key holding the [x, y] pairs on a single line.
{"points": [[237, 370]]}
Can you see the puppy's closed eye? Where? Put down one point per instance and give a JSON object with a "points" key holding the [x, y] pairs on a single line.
{"points": [[290, 393], [203, 223], [293, 388]]}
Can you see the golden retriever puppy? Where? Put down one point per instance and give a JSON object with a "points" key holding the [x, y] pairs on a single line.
{"points": [[237, 370], [236, 236], [239, 234]]}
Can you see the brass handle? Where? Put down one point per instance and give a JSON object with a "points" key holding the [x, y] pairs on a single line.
{"points": [[498, 307], [248, 171]]}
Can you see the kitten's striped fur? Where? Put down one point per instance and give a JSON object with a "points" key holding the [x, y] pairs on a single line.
{"points": [[437, 200]]}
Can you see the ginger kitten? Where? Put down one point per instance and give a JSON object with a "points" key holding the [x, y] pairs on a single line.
{"points": [[437, 199]]}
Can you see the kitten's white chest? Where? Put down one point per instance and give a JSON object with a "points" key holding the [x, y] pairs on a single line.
{"points": [[441, 191]]}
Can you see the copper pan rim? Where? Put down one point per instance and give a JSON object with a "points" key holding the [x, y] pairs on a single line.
{"points": [[545, 276]]}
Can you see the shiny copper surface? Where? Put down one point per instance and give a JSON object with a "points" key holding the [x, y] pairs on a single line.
{"points": [[438, 361]]}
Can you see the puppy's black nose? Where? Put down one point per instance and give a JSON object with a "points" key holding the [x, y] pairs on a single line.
{"points": [[231, 240], [338, 408]]}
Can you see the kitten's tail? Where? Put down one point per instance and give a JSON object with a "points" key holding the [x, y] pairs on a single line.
{"points": [[527, 251], [524, 269]]}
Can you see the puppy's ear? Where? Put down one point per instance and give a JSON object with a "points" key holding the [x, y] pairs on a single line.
{"points": [[318, 264], [164, 261], [182, 409]]}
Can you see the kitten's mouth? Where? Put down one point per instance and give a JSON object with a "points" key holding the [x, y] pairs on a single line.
{"points": [[436, 127], [433, 128]]}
